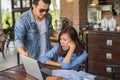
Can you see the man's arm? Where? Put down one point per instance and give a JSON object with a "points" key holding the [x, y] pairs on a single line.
{"points": [[20, 33], [54, 34]]}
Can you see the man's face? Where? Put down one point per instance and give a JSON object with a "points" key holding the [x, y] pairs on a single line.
{"points": [[40, 10]]}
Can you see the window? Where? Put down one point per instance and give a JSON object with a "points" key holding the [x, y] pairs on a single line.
{"points": [[19, 6], [6, 13]]}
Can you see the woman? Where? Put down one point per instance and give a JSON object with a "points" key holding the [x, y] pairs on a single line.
{"points": [[70, 51]]}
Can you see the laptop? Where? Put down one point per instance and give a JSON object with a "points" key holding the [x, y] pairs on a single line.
{"points": [[32, 68]]}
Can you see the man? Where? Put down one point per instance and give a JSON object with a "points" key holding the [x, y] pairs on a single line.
{"points": [[33, 29]]}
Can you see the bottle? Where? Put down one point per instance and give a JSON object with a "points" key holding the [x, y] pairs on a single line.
{"points": [[104, 24], [112, 24], [81, 35]]}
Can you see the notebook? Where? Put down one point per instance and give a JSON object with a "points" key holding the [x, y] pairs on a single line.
{"points": [[32, 68]]}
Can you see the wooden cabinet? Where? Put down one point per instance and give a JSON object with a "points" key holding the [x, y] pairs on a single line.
{"points": [[103, 49], [106, 2]]}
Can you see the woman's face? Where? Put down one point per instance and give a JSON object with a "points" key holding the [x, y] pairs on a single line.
{"points": [[64, 40]]}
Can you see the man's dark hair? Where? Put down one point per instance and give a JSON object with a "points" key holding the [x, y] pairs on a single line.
{"points": [[35, 2]]}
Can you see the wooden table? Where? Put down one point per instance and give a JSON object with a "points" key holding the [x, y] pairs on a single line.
{"points": [[18, 73], [15, 73]]}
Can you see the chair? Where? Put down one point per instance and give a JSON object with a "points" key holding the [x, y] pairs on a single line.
{"points": [[9, 35], [83, 66], [2, 43]]}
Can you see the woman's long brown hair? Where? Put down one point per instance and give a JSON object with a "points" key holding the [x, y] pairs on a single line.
{"points": [[72, 33]]}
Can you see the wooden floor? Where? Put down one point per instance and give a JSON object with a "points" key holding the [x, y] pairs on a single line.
{"points": [[10, 57]]}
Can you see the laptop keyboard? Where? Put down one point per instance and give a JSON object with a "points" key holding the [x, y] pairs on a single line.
{"points": [[46, 71]]}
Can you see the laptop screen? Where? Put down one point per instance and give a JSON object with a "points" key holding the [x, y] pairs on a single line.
{"points": [[31, 66]]}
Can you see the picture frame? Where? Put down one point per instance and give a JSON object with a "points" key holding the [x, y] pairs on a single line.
{"points": [[94, 15]]}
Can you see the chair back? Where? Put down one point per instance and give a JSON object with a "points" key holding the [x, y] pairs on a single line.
{"points": [[2, 42]]}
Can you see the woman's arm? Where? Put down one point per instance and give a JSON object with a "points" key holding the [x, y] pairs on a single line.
{"points": [[50, 54], [46, 59], [78, 60], [50, 62]]}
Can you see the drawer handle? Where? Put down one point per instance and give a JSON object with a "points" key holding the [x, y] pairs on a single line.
{"points": [[109, 42], [109, 56]]}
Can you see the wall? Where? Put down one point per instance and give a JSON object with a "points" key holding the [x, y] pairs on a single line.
{"points": [[66, 9], [75, 11]]}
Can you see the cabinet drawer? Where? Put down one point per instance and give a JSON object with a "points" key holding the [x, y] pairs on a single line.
{"points": [[99, 68], [104, 41], [109, 56]]}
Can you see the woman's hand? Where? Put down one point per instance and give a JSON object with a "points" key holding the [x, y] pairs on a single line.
{"points": [[72, 45]]}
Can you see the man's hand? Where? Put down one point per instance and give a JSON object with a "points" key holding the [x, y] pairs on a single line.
{"points": [[22, 51]]}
